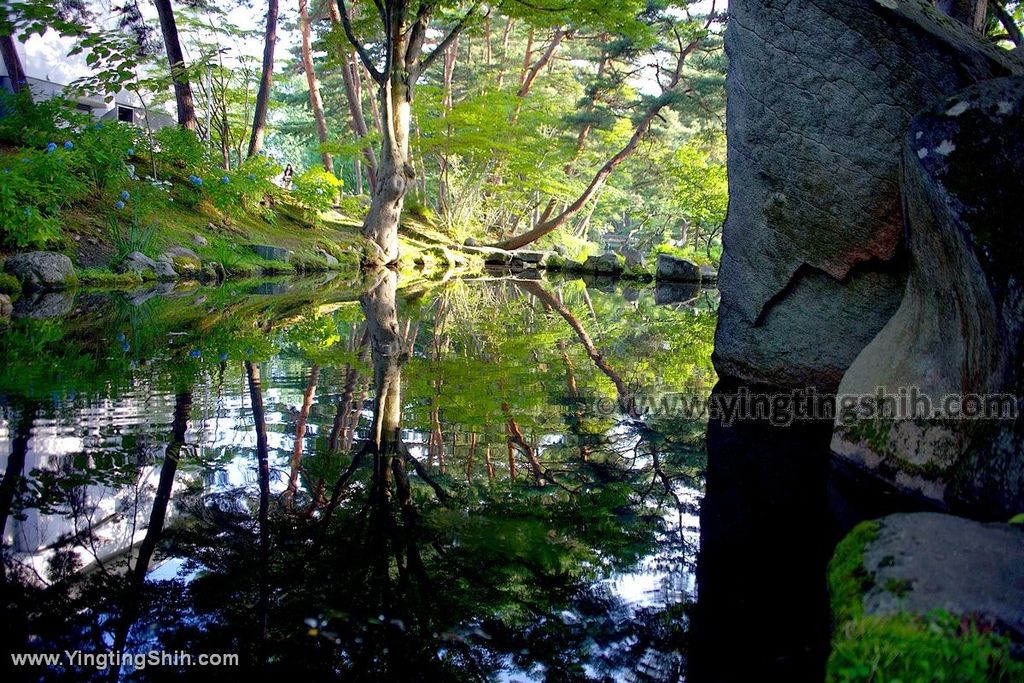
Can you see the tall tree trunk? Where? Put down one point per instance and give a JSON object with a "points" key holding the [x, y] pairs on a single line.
{"points": [[532, 71], [504, 51], [352, 82], [259, 119], [394, 173], [972, 13], [315, 102], [176, 60], [300, 435]]}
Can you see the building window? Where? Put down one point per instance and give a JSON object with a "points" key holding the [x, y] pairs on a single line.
{"points": [[83, 107], [125, 114]]}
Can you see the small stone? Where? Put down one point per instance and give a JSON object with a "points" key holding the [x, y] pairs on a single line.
{"points": [[6, 307], [199, 241]]}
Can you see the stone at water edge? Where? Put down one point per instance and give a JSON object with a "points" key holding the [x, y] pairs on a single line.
{"points": [[634, 258], [960, 327], [676, 269], [819, 94], [136, 262], [925, 561], [272, 253], [607, 264], [164, 269], [42, 270]]}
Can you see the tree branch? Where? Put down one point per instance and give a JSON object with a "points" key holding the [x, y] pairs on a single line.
{"points": [[364, 56], [443, 45]]}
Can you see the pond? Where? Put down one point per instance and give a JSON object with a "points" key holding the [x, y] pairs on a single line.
{"points": [[491, 479]]}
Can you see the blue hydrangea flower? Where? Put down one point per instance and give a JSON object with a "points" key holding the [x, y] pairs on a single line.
{"points": [[223, 357], [124, 195], [119, 205], [28, 211], [195, 353], [125, 346], [131, 151], [68, 144], [252, 176], [195, 180], [224, 180], [51, 148]]}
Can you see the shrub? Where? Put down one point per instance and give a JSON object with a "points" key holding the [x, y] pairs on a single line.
{"points": [[180, 151], [316, 189], [36, 186], [244, 190], [24, 122], [101, 152]]}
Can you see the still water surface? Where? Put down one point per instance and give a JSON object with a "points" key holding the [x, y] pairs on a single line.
{"points": [[435, 482]]}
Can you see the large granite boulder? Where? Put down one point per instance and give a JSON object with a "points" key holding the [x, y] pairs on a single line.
{"points": [[944, 562], [676, 269], [43, 270], [959, 331], [820, 94]]}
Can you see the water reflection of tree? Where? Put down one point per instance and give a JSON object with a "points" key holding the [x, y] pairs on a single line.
{"points": [[406, 572]]}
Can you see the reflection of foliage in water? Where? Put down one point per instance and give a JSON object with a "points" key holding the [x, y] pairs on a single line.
{"points": [[508, 571]]}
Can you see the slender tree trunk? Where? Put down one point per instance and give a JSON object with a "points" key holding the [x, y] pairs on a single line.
{"points": [[315, 101], [1012, 30], [300, 435], [504, 51], [531, 72], [259, 119], [969, 12], [176, 60], [352, 82]]}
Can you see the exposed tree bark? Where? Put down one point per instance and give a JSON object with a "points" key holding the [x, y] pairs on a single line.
{"points": [[259, 119], [969, 12], [504, 51], [176, 60], [405, 31], [316, 103], [352, 82]]}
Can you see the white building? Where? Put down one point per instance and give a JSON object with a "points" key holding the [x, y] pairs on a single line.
{"points": [[48, 71]]}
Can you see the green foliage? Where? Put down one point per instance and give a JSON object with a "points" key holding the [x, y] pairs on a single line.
{"points": [[101, 152], [245, 189], [9, 284], [938, 647], [316, 189], [36, 185], [25, 122], [848, 579], [179, 149], [135, 238]]}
